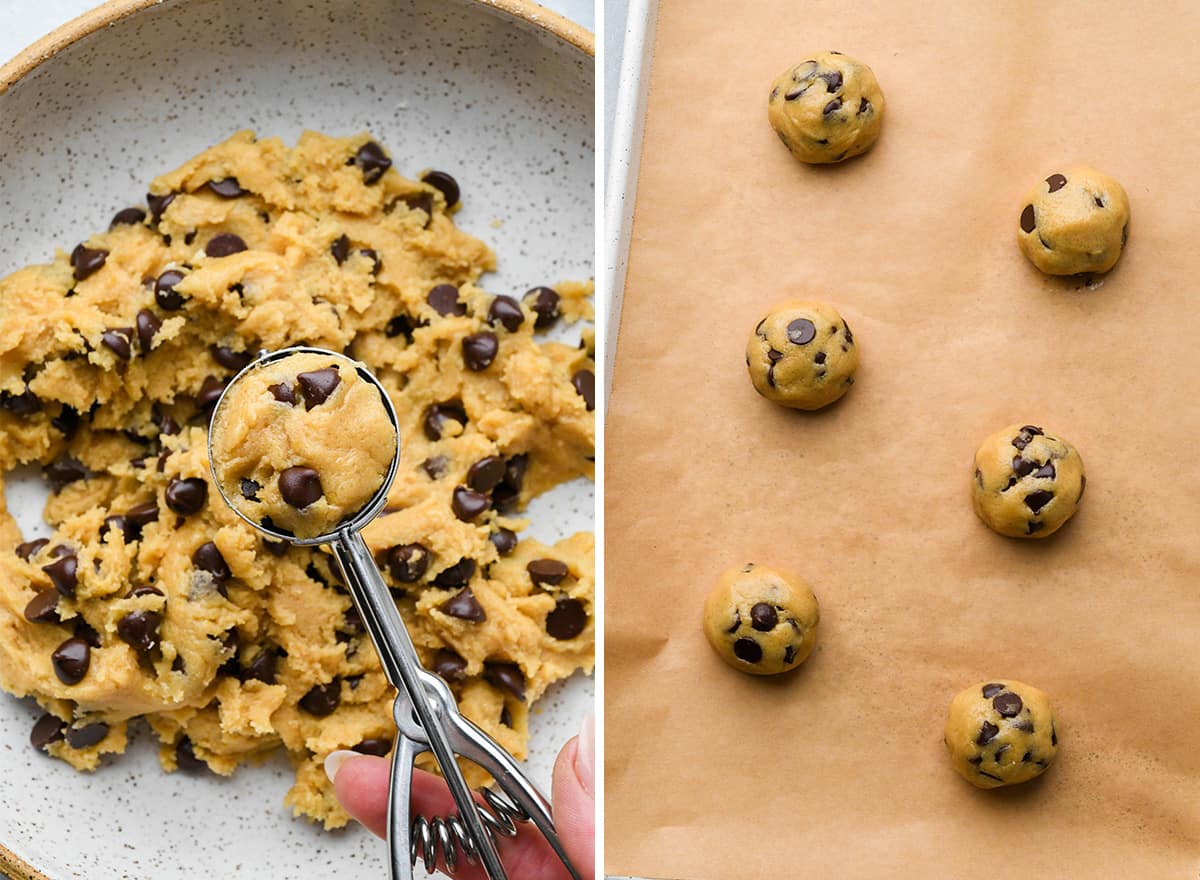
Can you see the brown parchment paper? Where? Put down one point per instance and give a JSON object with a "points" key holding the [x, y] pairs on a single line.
{"points": [[838, 770]]}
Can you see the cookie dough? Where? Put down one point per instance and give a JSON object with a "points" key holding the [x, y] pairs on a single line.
{"points": [[302, 443], [1027, 482], [152, 599], [827, 108], [802, 355], [1001, 733], [761, 620], [1075, 221]]}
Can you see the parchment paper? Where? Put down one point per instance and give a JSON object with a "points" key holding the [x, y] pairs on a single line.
{"points": [[838, 770]]}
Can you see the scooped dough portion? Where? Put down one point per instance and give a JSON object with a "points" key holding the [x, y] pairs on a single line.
{"points": [[302, 443], [827, 108], [1027, 481], [1001, 732], [1074, 221], [802, 355], [761, 620]]}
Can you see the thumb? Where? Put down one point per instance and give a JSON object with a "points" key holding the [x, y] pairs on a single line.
{"points": [[574, 799]]}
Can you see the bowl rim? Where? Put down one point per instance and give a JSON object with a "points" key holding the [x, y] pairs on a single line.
{"points": [[109, 13]]}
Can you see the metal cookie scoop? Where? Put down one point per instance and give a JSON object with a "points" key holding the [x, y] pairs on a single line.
{"points": [[426, 713]]}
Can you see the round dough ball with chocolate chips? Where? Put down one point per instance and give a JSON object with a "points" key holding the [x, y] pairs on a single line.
{"points": [[827, 108], [1074, 221], [802, 355], [761, 620], [1001, 733], [1027, 482]]}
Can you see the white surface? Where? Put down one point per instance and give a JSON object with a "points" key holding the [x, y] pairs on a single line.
{"points": [[511, 118]]}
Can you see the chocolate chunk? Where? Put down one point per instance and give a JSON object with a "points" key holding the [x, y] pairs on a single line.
{"points": [[63, 573], [832, 107], [147, 326], [545, 304], [504, 540], [118, 339], [86, 736], [43, 607], [262, 667], [1008, 704], [987, 732], [449, 665], [87, 261], [46, 730], [1035, 501], [506, 676], [71, 660], [185, 757], [833, 80], [506, 311], [464, 606], [186, 496], [229, 358], [567, 620], [30, 548], [128, 217], [208, 558], [1022, 466], [547, 572], [863, 106], [479, 350], [64, 471], [408, 562], [456, 575], [440, 413], [249, 489], [284, 393], [164, 291], [23, 404], [373, 162], [142, 515], [748, 650], [486, 473], [584, 382], [1028, 223], [140, 629], [1056, 182], [763, 617], [443, 299], [224, 244], [376, 745], [445, 184], [340, 249], [158, 204], [322, 699], [300, 486], [435, 467], [801, 331], [228, 188], [316, 386], [990, 690]]}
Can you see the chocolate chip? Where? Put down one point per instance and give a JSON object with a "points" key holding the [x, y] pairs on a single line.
{"points": [[225, 244], [1099, 201], [158, 204], [141, 515], [284, 393], [1046, 471], [408, 562], [140, 629], [86, 736], [322, 699], [449, 665], [443, 299], [210, 392], [164, 291], [340, 249], [456, 575], [1033, 526], [128, 217], [1032, 430], [567, 620], [748, 650], [418, 202], [300, 486], [186, 496], [373, 162], [486, 473], [46, 730], [229, 358], [87, 632], [794, 94], [737, 623], [1053, 736], [763, 617], [547, 572], [262, 667], [23, 404], [63, 573], [863, 106], [208, 558], [1028, 223], [118, 340], [832, 107], [64, 471], [506, 717], [833, 80], [506, 676], [1008, 704], [1056, 182], [440, 413], [445, 184], [228, 188], [990, 690], [801, 331], [118, 523], [377, 745], [30, 548], [316, 386], [71, 660], [464, 606], [1035, 501], [584, 382], [1022, 466], [249, 489], [990, 775], [87, 261], [987, 732], [479, 350], [504, 540], [789, 654], [276, 548], [544, 302], [507, 311], [43, 607], [1027, 758], [147, 326], [185, 757], [1024, 724], [435, 467]]}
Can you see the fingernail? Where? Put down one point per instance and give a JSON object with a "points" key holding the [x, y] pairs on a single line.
{"points": [[585, 755], [335, 760]]}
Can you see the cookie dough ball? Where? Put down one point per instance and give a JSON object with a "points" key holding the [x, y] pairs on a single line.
{"points": [[1001, 733], [761, 620], [1027, 482], [1074, 221], [827, 108], [302, 443], [802, 355]]}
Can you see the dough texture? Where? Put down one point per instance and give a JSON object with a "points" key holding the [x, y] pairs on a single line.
{"points": [[802, 355], [761, 620], [152, 599], [827, 108], [1027, 482], [1074, 222], [1001, 733], [302, 443]]}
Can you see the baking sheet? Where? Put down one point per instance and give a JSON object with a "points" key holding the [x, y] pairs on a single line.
{"points": [[838, 769]]}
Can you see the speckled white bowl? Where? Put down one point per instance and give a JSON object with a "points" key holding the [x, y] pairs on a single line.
{"points": [[499, 94]]}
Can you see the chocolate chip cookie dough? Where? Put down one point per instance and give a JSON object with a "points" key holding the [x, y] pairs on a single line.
{"points": [[302, 443], [802, 355], [761, 620], [152, 598], [1001, 733], [826, 108], [1074, 221], [1027, 482]]}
